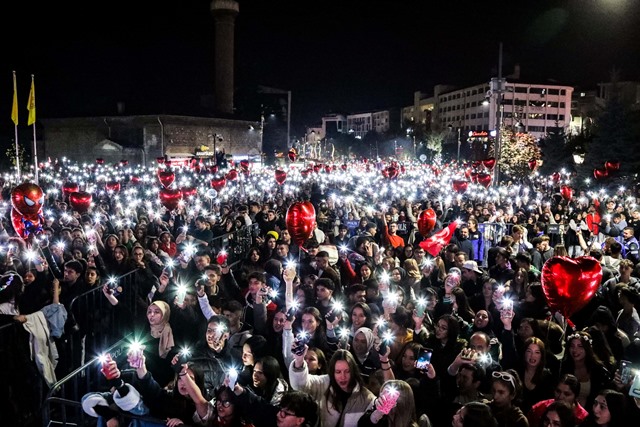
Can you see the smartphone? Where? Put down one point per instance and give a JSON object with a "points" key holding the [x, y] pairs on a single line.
{"points": [[330, 316], [291, 313], [424, 358], [626, 374]]}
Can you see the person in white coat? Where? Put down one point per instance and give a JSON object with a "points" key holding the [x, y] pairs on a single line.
{"points": [[340, 394]]}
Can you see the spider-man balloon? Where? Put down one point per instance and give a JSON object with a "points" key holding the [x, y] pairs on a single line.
{"points": [[27, 201]]}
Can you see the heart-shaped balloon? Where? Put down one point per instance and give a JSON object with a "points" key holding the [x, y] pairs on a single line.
{"points": [[135, 179], [218, 183], [300, 220], [316, 168], [281, 176], [569, 283], [113, 186], [459, 186], [434, 244], [305, 173], [484, 179], [170, 197], [600, 173], [390, 172], [124, 162], [80, 201], [327, 168], [28, 199], [188, 192], [69, 187], [566, 192], [343, 166], [244, 165], [213, 169], [100, 161], [555, 176], [292, 155], [612, 165], [532, 164], [166, 177], [489, 163], [426, 221], [232, 175]]}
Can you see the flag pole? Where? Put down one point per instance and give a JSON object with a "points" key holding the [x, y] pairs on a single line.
{"points": [[31, 106], [14, 118]]}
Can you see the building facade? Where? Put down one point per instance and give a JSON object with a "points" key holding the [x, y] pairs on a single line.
{"points": [[141, 139]]}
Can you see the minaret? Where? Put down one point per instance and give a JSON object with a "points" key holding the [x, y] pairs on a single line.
{"points": [[224, 14]]}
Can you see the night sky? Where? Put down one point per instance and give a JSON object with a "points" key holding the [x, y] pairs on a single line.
{"points": [[335, 56]]}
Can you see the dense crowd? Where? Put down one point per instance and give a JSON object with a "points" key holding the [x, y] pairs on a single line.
{"points": [[357, 325]]}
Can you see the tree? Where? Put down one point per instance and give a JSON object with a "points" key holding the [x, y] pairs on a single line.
{"points": [[516, 151], [556, 152]]}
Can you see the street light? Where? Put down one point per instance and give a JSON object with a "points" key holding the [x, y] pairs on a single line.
{"points": [[216, 138]]}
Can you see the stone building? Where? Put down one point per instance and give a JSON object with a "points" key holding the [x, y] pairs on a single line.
{"points": [[141, 139]]}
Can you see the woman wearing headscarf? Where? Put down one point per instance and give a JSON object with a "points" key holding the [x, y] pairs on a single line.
{"points": [[364, 353], [159, 344]]}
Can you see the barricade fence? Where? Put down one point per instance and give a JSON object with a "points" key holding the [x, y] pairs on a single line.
{"points": [[95, 325]]}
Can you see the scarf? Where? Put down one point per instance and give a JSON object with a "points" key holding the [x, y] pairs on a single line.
{"points": [[368, 334], [163, 330]]}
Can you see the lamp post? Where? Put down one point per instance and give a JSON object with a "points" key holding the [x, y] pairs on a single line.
{"points": [[497, 88], [459, 142]]}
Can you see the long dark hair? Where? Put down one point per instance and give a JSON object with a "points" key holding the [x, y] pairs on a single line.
{"points": [[334, 391], [271, 371]]}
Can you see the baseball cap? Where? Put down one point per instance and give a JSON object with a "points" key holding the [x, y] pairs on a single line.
{"points": [[472, 265]]}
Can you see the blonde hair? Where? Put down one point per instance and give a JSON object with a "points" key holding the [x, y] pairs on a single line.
{"points": [[404, 413], [411, 267]]}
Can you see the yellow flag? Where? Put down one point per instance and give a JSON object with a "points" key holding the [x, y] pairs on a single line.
{"points": [[14, 109], [31, 103]]}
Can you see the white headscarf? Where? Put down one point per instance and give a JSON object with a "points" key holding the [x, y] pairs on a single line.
{"points": [[368, 335]]}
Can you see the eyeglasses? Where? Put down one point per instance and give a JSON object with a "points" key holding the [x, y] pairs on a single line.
{"points": [[284, 413], [505, 376], [224, 403]]}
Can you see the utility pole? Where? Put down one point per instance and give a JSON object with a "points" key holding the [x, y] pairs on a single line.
{"points": [[497, 87]]}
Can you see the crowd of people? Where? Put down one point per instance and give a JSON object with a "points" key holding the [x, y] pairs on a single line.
{"points": [[356, 326]]}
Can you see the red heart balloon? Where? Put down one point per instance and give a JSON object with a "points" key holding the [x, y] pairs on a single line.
{"points": [[489, 163], [476, 164], [232, 175], [600, 173], [80, 201], [460, 186], [484, 179], [327, 168], [555, 176], [113, 186], [135, 179], [100, 161], [166, 177], [292, 155], [316, 168], [566, 192], [300, 219], [305, 172], [244, 165], [218, 183], [390, 172], [343, 167], [281, 176], [188, 192], [213, 169], [124, 162], [160, 160], [69, 187], [474, 177], [434, 244], [28, 199], [170, 198], [532, 164], [569, 283], [426, 221], [612, 165]]}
